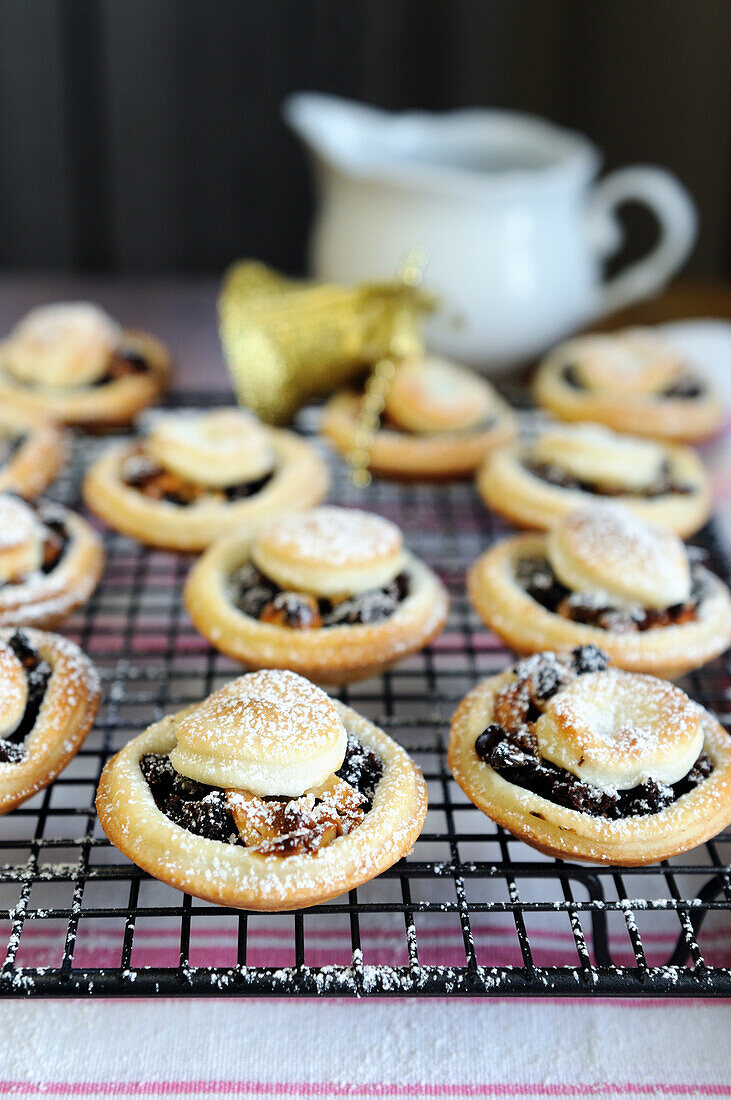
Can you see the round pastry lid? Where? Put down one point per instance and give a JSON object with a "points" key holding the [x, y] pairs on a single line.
{"points": [[219, 448], [431, 394], [605, 550], [330, 551], [65, 344], [13, 691], [21, 539], [596, 454], [634, 361], [615, 729], [270, 733]]}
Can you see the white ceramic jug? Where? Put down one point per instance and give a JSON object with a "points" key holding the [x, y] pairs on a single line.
{"points": [[506, 205]]}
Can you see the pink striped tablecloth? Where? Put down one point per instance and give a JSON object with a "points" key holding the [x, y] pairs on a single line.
{"points": [[388, 1048]]}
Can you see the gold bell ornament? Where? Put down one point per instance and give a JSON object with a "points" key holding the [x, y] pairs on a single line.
{"points": [[286, 341]]}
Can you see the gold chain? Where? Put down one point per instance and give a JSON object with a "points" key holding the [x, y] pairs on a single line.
{"points": [[376, 390]]}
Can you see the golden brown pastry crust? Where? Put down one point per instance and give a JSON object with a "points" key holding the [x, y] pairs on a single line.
{"points": [[528, 627], [45, 599], [67, 714], [100, 407], [676, 419], [40, 457], [508, 487], [300, 481], [334, 654], [411, 455], [571, 834], [233, 875]]}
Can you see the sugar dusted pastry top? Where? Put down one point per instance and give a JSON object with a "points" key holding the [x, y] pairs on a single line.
{"points": [[615, 729], [431, 394], [597, 454], [637, 361], [605, 550], [216, 448], [270, 732], [62, 345], [330, 551]]}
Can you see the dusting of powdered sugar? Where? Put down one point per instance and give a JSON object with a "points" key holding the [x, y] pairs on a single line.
{"points": [[611, 541], [333, 536], [269, 714], [18, 523]]}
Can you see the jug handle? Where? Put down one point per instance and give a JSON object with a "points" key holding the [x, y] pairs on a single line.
{"points": [[675, 211]]}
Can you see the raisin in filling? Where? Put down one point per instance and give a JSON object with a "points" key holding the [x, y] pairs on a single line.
{"points": [[570, 375], [141, 472], [261, 598], [537, 578], [123, 363], [362, 769], [687, 387], [57, 538], [510, 746], [202, 810], [664, 485], [194, 806], [38, 673], [9, 447]]}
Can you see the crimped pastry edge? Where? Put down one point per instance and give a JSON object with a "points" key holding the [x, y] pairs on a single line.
{"points": [[507, 487], [67, 714], [527, 627], [229, 875], [677, 419], [39, 460], [338, 654], [47, 601], [570, 834], [409, 455], [95, 407], [301, 481]]}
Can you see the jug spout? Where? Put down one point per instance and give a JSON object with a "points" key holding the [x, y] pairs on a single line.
{"points": [[336, 130]]}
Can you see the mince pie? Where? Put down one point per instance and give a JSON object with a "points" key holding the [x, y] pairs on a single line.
{"points": [[74, 364], [330, 593], [196, 476], [592, 763], [603, 576], [267, 795], [50, 695], [50, 562], [535, 484], [632, 381], [32, 452], [440, 420]]}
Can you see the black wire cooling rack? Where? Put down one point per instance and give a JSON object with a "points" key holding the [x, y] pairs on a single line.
{"points": [[470, 912]]}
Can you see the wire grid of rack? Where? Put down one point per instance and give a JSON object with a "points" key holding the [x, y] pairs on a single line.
{"points": [[470, 911]]}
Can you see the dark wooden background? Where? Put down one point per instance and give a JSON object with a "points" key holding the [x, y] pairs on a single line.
{"points": [[145, 135]]}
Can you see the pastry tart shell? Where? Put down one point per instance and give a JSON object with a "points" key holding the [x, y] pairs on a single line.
{"points": [[101, 407], [67, 713], [300, 481], [411, 455], [233, 875], [40, 457], [528, 627], [331, 654], [47, 599], [509, 488], [675, 419], [570, 834]]}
